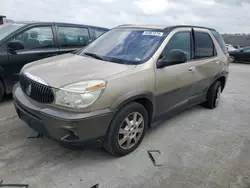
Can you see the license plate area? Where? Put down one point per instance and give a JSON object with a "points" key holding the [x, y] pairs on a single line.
{"points": [[33, 122]]}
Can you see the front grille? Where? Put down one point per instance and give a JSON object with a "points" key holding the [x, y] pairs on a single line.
{"points": [[39, 92]]}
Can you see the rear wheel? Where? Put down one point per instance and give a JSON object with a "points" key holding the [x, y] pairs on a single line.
{"points": [[213, 95], [127, 130], [232, 59], [2, 90]]}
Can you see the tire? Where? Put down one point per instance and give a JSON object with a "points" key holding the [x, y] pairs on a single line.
{"points": [[120, 132], [213, 95], [232, 59], [2, 90]]}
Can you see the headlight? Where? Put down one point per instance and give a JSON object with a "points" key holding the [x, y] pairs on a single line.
{"points": [[79, 95]]}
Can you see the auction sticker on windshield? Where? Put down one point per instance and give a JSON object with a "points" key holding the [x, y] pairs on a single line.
{"points": [[153, 33]]}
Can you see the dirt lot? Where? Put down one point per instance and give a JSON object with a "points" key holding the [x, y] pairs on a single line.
{"points": [[200, 148]]}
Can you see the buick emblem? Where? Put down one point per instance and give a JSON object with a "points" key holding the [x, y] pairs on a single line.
{"points": [[28, 90]]}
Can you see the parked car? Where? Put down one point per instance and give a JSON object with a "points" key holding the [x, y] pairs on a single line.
{"points": [[237, 47], [230, 48], [125, 81], [24, 42], [242, 55]]}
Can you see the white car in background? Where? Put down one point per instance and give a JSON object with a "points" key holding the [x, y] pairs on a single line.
{"points": [[230, 48]]}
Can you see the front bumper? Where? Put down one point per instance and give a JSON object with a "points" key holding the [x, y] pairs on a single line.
{"points": [[64, 126]]}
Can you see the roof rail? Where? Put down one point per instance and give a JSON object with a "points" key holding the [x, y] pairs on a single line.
{"points": [[178, 26]]}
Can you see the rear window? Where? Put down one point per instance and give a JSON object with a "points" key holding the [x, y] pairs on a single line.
{"points": [[220, 40]]}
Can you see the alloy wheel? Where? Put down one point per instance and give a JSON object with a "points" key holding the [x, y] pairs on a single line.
{"points": [[218, 94], [232, 59], [130, 130]]}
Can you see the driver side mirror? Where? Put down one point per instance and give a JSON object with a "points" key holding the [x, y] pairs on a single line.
{"points": [[15, 45], [172, 57]]}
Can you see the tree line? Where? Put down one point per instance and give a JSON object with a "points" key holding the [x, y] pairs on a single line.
{"points": [[240, 39]]}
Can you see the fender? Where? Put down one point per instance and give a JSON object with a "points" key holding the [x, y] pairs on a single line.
{"points": [[216, 77], [132, 96], [219, 75]]}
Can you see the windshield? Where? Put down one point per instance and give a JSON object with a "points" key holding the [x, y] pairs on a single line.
{"points": [[126, 45], [7, 29]]}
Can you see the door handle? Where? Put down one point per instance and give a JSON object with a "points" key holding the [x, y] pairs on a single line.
{"points": [[191, 68], [217, 62]]}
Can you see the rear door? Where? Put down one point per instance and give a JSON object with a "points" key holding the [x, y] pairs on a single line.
{"points": [[208, 63], [39, 43], [72, 38]]}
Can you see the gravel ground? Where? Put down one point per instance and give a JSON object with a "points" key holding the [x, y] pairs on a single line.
{"points": [[200, 148]]}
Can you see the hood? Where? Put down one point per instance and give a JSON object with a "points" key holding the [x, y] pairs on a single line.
{"points": [[69, 68]]}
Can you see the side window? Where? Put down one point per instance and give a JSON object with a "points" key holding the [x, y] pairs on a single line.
{"points": [[95, 32], [182, 41], [220, 40], [37, 37], [73, 36], [204, 46]]}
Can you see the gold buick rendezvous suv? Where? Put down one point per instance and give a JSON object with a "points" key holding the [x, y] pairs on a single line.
{"points": [[127, 80]]}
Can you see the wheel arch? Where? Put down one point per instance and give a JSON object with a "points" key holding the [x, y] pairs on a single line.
{"points": [[222, 77], [222, 80], [145, 98]]}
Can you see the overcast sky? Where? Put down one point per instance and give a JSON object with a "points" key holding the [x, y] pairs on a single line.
{"points": [[227, 16]]}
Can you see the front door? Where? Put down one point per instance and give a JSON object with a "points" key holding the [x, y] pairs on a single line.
{"points": [[174, 82], [38, 42]]}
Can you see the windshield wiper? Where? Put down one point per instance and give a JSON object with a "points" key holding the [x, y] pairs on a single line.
{"points": [[94, 56]]}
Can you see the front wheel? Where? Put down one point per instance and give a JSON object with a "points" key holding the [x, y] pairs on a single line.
{"points": [[127, 129], [232, 59]]}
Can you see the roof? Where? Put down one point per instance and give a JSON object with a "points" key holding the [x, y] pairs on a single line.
{"points": [[144, 26], [71, 24], [163, 27], [1, 16]]}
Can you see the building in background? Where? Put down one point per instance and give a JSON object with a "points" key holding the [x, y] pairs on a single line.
{"points": [[2, 19]]}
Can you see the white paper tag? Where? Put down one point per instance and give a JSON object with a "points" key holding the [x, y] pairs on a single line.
{"points": [[153, 33]]}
